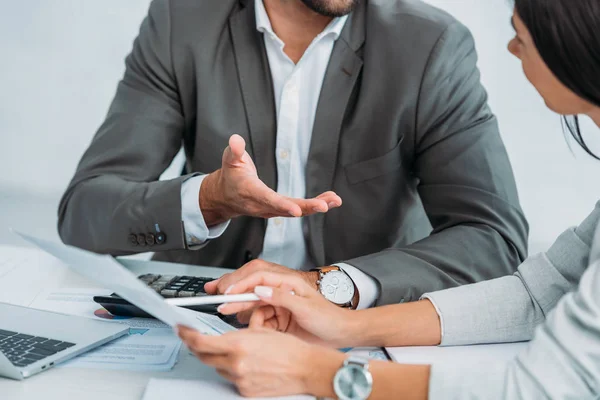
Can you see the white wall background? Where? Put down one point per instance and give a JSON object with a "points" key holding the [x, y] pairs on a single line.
{"points": [[60, 61]]}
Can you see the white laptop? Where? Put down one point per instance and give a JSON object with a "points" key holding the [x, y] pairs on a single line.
{"points": [[33, 341]]}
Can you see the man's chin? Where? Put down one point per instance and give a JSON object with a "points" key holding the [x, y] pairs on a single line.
{"points": [[332, 8]]}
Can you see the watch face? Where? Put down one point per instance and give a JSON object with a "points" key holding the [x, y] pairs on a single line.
{"points": [[337, 287], [353, 382]]}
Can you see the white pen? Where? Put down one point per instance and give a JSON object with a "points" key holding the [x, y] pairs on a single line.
{"points": [[219, 299]]}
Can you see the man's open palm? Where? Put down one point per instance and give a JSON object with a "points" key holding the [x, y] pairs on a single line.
{"points": [[236, 190]]}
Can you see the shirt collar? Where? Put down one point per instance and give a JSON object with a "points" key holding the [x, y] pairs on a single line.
{"points": [[263, 24]]}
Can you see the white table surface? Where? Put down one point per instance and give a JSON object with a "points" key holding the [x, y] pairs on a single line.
{"points": [[37, 214], [20, 286]]}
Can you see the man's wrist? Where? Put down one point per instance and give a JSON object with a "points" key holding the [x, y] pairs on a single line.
{"points": [[212, 207], [317, 271], [312, 277]]}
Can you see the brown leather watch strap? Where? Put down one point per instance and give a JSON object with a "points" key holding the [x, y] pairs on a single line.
{"points": [[328, 269]]}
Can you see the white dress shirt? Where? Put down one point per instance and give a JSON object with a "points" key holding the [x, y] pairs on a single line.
{"points": [[297, 88]]}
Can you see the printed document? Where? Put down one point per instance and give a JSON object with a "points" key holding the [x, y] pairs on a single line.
{"points": [[110, 274], [151, 344]]}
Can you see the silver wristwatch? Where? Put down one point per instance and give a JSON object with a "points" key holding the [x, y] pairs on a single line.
{"points": [[353, 381], [336, 286]]}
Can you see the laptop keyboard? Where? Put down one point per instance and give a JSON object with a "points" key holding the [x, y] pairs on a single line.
{"points": [[22, 350], [176, 286]]}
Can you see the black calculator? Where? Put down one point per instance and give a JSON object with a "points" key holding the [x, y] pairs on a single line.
{"points": [[168, 286]]}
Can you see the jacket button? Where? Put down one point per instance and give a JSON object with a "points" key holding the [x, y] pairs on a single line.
{"points": [[133, 239], [160, 238], [150, 240], [248, 256], [141, 239]]}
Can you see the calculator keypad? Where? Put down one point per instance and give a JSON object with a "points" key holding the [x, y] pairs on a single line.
{"points": [[176, 286]]}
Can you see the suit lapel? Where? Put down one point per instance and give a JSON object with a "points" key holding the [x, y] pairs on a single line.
{"points": [[340, 78], [257, 90]]}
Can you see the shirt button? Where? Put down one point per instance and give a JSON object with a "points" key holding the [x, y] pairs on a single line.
{"points": [[150, 239], [278, 221], [133, 239], [292, 88], [284, 154]]}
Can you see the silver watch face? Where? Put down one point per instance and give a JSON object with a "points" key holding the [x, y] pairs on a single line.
{"points": [[337, 287], [353, 382]]}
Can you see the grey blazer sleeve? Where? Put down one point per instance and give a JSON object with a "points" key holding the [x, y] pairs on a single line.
{"points": [[508, 309], [115, 192], [466, 185], [561, 362]]}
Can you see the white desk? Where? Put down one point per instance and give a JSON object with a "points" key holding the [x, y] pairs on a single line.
{"points": [[72, 383]]}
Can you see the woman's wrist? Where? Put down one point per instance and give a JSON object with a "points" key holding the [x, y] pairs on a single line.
{"points": [[354, 328], [415, 324], [320, 366]]}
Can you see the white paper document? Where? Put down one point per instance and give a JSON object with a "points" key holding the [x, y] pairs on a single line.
{"points": [[457, 355], [26, 264], [109, 273], [143, 348], [151, 344], [161, 389]]}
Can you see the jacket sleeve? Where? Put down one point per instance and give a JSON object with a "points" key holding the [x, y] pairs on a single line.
{"points": [[561, 362], [508, 309], [466, 185], [115, 195]]}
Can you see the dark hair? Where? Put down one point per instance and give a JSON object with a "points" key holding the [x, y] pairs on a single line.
{"points": [[566, 34]]}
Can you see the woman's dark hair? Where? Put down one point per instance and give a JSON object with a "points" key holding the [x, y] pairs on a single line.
{"points": [[567, 36]]}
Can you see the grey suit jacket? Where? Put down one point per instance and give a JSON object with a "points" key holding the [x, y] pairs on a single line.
{"points": [[557, 292], [402, 133]]}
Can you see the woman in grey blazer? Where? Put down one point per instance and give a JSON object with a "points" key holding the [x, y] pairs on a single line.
{"points": [[554, 297]]}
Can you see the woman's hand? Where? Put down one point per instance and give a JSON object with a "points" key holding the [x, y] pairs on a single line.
{"points": [[265, 363], [291, 305]]}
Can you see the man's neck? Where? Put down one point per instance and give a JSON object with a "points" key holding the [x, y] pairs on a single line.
{"points": [[295, 24]]}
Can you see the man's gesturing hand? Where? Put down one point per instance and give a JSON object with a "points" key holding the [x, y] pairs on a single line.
{"points": [[236, 190]]}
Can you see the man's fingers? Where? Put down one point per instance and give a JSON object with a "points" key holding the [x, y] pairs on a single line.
{"points": [[211, 287], [237, 147], [331, 198], [312, 206], [274, 203], [272, 279]]}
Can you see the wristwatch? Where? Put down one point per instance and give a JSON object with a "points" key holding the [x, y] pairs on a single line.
{"points": [[336, 286], [353, 381]]}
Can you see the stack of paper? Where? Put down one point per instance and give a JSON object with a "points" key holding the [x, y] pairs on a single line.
{"points": [[150, 346]]}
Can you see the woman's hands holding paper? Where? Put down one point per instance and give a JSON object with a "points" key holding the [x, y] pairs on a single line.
{"points": [[265, 363]]}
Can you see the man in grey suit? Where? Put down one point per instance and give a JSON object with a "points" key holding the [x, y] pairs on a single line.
{"points": [[374, 103]]}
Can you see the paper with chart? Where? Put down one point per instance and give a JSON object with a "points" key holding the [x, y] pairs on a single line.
{"points": [[109, 273], [151, 344], [144, 349]]}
